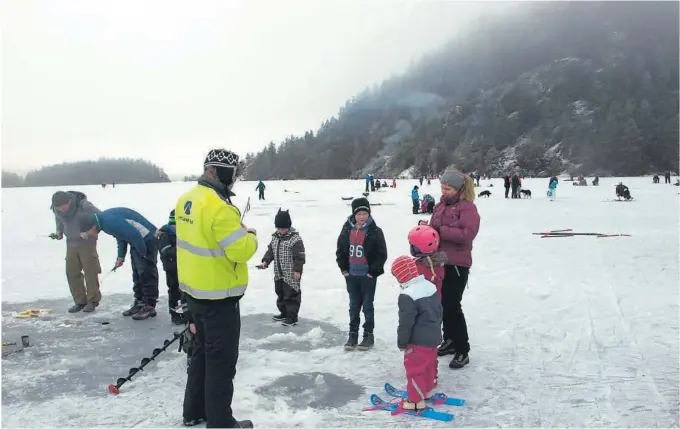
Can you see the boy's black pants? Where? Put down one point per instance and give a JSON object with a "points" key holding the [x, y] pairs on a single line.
{"points": [[361, 292], [174, 294], [453, 286], [416, 206], [288, 299]]}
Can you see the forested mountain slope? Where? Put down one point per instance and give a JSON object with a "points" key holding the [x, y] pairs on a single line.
{"points": [[587, 87]]}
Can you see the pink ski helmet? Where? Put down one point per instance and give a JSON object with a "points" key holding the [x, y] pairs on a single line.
{"points": [[424, 240]]}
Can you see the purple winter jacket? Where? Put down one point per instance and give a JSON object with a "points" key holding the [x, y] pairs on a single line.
{"points": [[458, 224]]}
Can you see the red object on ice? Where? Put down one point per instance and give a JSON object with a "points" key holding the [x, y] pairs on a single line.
{"points": [[113, 389]]}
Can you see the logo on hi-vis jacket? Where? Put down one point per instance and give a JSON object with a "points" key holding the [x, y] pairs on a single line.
{"points": [[187, 211]]}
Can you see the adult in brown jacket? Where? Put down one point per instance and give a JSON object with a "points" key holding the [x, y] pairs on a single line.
{"points": [[82, 260]]}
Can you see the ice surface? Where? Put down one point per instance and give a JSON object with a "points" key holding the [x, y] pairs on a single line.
{"points": [[578, 331]]}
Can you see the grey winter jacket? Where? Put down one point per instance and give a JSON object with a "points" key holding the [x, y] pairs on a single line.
{"points": [[420, 314], [288, 253], [68, 223]]}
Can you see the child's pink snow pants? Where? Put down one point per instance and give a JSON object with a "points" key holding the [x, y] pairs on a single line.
{"points": [[421, 371]]}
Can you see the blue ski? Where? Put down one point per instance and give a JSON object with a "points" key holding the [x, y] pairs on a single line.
{"points": [[438, 398], [427, 413]]}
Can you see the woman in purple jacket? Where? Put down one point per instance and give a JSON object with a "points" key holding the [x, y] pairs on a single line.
{"points": [[456, 219]]}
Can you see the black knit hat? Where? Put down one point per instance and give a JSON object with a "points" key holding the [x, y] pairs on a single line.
{"points": [[282, 219], [361, 204]]}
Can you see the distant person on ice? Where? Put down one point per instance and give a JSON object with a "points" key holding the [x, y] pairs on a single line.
{"points": [[213, 250], [415, 200], [129, 227], [82, 261], [506, 183], [418, 333], [167, 247], [260, 189], [622, 191], [552, 189], [457, 221], [516, 185], [287, 251], [361, 255]]}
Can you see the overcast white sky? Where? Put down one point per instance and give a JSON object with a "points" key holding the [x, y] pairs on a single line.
{"points": [[168, 80]]}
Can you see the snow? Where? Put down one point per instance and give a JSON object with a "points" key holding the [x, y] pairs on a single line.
{"points": [[579, 331]]}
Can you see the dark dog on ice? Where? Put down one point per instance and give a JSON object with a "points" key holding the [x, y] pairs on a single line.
{"points": [[526, 193], [484, 194]]}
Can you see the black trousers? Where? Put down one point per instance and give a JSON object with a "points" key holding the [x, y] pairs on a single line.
{"points": [[416, 206], [210, 386], [145, 274], [174, 294], [288, 300], [453, 286], [430, 207], [507, 191], [260, 195], [361, 292]]}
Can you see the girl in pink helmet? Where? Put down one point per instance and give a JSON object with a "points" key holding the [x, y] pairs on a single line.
{"points": [[418, 334], [424, 241]]}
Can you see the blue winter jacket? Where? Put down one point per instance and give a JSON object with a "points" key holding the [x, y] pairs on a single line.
{"points": [[414, 194], [127, 227], [553, 184]]}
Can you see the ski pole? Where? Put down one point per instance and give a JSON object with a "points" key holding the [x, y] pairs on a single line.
{"points": [[115, 388], [246, 209]]}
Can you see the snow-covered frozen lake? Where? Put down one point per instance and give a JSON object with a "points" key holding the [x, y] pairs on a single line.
{"points": [[579, 331]]}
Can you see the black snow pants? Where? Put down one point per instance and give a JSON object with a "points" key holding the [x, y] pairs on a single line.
{"points": [[288, 299], [507, 191], [416, 206], [145, 274], [210, 381], [453, 286], [260, 195], [515, 191], [174, 294]]}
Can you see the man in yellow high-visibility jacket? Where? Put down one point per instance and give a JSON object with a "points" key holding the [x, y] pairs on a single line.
{"points": [[213, 247]]}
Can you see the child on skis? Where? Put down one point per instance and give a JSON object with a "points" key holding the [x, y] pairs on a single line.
{"points": [[361, 255], [419, 332], [424, 242], [167, 245], [288, 251]]}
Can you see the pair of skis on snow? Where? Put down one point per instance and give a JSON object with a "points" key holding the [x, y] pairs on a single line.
{"points": [[561, 233], [427, 413]]}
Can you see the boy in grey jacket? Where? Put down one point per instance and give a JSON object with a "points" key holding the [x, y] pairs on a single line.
{"points": [[419, 333], [82, 260]]}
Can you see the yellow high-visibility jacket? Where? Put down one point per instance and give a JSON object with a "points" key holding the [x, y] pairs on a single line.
{"points": [[212, 246]]}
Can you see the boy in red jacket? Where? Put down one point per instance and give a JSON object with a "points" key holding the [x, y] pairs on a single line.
{"points": [[424, 241]]}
